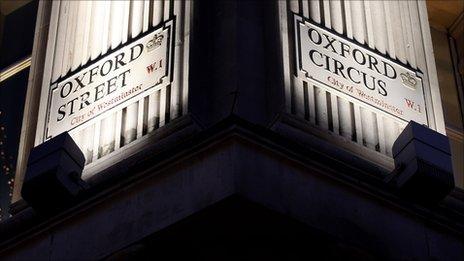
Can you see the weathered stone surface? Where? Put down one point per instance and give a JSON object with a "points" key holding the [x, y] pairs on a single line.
{"points": [[306, 192], [423, 162], [52, 179]]}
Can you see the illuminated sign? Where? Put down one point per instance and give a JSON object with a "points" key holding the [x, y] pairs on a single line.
{"points": [[363, 74], [136, 69]]}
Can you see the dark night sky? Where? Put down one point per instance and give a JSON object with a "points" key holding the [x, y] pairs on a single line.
{"points": [[17, 40]]}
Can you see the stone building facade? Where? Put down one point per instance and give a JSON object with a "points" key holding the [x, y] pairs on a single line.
{"points": [[204, 124]]}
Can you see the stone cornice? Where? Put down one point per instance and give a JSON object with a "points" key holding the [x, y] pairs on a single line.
{"points": [[160, 162]]}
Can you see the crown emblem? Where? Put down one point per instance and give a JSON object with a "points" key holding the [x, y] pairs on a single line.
{"points": [[155, 42], [409, 80]]}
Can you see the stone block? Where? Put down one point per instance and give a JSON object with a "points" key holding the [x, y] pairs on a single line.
{"points": [[423, 162], [53, 176]]}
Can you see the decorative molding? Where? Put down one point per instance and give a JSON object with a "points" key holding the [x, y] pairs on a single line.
{"points": [[455, 134], [8, 7], [15, 68], [456, 28]]}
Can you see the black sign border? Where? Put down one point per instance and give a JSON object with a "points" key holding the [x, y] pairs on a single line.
{"points": [[297, 18], [168, 24]]}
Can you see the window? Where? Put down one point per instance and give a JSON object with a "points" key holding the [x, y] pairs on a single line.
{"points": [[17, 23]]}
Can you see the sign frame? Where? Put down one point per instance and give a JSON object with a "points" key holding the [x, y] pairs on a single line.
{"points": [[163, 82], [300, 71]]}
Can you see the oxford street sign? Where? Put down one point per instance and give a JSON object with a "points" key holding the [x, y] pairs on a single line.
{"points": [[116, 79]]}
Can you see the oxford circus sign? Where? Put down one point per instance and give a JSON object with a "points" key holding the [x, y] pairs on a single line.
{"points": [[363, 75]]}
